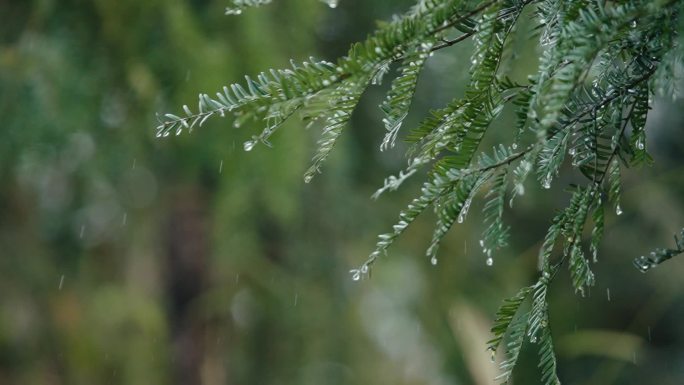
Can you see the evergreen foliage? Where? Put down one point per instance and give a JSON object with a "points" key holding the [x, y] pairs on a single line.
{"points": [[586, 105]]}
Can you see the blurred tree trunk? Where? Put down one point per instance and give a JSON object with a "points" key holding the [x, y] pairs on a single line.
{"points": [[186, 249]]}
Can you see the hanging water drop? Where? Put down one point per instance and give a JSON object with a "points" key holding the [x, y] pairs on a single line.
{"points": [[332, 3], [433, 260], [249, 145], [640, 144], [618, 209], [547, 183], [490, 261], [356, 274], [514, 146], [307, 178]]}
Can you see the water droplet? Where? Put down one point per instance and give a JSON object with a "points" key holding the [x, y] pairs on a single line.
{"points": [[514, 146], [493, 355], [640, 144], [634, 24], [80, 235], [433, 260], [481, 242], [125, 218], [533, 339], [249, 145], [572, 152], [356, 274], [618, 210], [332, 3], [295, 299], [364, 269], [649, 333], [61, 282], [608, 294], [547, 183], [464, 210], [490, 261], [221, 167], [308, 178]]}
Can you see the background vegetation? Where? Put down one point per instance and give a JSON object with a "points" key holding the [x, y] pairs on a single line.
{"points": [[133, 260]]}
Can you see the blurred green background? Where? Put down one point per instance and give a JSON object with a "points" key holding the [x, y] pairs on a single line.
{"points": [[126, 259]]}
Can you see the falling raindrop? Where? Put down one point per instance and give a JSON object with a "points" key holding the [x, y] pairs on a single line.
{"points": [[608, 294], [221, 167], [125, 218], [649, 333], [80, 235], [296, 298], [61, 282], [134, 161]]}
